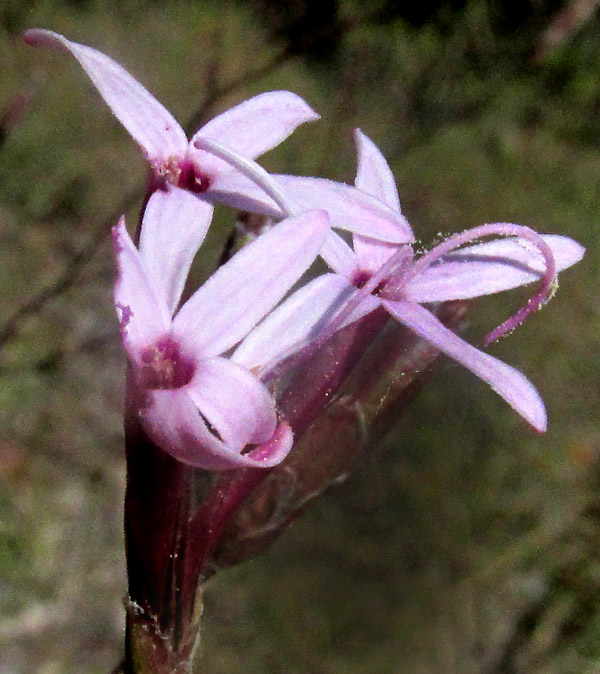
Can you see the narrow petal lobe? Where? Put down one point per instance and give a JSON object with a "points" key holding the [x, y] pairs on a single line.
{"points": [[174, 226], [373, 174], [508, 382], [298, 322], [348, 208], [148, 121], [143, 314], [254, 126], [240, 293]]}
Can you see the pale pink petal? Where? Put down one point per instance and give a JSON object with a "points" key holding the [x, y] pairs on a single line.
{"points": [[509, 383], [348, 208], [149, 122], [143, 314], [233, 401], [174, 226], [488, 268], [240, 293], [373, 174], [173, 422], [253, 127], [299, 321], [373, 254], [339, 256]]}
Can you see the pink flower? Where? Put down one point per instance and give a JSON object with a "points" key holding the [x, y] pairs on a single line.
{"points": [[251, 128], [194, 402], [375, 273], [248, 130]]}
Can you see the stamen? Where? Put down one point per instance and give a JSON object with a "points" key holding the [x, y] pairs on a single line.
{"points": [[251, 170], [182, 173], [191, 179], [548, 282]]}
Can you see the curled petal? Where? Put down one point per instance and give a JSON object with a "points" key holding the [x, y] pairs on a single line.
{"points": [[273, 451], [299, 321], [174, 226], [147, 120], [373, 174], [253, 127], [240, 293], [233, 401], [508, 382], [173, 422], [488, 268], [143, 314]]}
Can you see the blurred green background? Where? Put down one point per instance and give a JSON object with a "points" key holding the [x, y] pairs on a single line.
{"points": [[465, 543]]}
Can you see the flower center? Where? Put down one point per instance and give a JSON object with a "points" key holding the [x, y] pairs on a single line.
{"points": [[361, 277], [164, 367], [183, 173]]}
